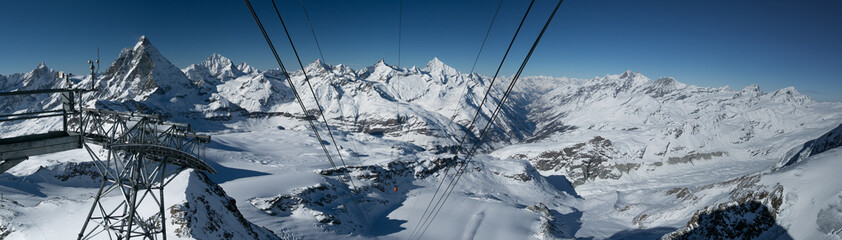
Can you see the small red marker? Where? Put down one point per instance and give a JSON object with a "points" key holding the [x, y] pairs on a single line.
{"points": [[396, 189]]}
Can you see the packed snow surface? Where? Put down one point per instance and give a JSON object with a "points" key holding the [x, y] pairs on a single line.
{"points": [[614, 157]]}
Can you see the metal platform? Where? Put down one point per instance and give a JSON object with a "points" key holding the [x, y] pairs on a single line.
{"points": [[16, 149], [173, 156], [143, 154]]}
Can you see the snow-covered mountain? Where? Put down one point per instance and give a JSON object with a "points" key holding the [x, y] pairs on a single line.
{"points": [[618, 156], [41, 77], [140, 73], [662, 122]]}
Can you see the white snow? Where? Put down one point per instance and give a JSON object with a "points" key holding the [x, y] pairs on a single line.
{"points": [[674, 150]]}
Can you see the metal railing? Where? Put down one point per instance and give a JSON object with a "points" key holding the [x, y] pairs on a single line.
{"points": [[71, 104]]}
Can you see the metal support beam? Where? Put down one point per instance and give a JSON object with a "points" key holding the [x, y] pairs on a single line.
{"points": [[139, 149]]}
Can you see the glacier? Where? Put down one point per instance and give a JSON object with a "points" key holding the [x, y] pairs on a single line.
{"points": [[620, 156]]}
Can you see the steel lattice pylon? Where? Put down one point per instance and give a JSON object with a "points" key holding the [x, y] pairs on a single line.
{"points": [[143, 154]]}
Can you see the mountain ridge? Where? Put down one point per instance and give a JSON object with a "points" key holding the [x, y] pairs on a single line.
{"points": [[567, 157]]}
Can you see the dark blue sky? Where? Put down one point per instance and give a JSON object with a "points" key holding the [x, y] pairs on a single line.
{"points": [[707, 43]]}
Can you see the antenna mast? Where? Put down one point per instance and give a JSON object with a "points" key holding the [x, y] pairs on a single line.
{"points": [[93, 73]]}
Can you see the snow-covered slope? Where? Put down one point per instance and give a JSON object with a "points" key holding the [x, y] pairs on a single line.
{"points": [[49, 196], [618, 156], [663, 122], [798, 200]]}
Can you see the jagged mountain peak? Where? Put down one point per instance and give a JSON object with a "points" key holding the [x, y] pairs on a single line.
{"points": [[751, 88], [436, 66], [139, 72], [221, 67], [628, 75], [381, 62], [217, 69], [318, 61], [627, 81], [143, 44], [319, 69], [245, 68], [40, 69], [435, 61], [40, 78], [380, 71], [217, 59], [318, 66], [413, 69]]}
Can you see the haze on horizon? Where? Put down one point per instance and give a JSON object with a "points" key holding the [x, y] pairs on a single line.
{"points": [[713, 43]]}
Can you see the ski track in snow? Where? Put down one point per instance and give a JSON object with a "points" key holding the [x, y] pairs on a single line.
{"points": [[472, 226]]}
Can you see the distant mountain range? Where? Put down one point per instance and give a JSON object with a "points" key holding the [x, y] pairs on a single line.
{"points": [[615, 138]]}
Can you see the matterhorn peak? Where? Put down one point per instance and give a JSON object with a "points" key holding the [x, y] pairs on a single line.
{"points": [[42, 65], [144, 46], [142, 42], [138, 73]]}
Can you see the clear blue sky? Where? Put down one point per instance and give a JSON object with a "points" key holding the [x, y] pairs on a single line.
{"points": [[706, 43]]}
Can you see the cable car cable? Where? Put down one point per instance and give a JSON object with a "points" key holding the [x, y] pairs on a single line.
{"points": [[322, 57], [289, 81], [316, 99], [468, 129], [499, 106], [464, 90]]}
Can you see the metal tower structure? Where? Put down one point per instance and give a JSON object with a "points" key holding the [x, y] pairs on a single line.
{"points": [[142, 154]]}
